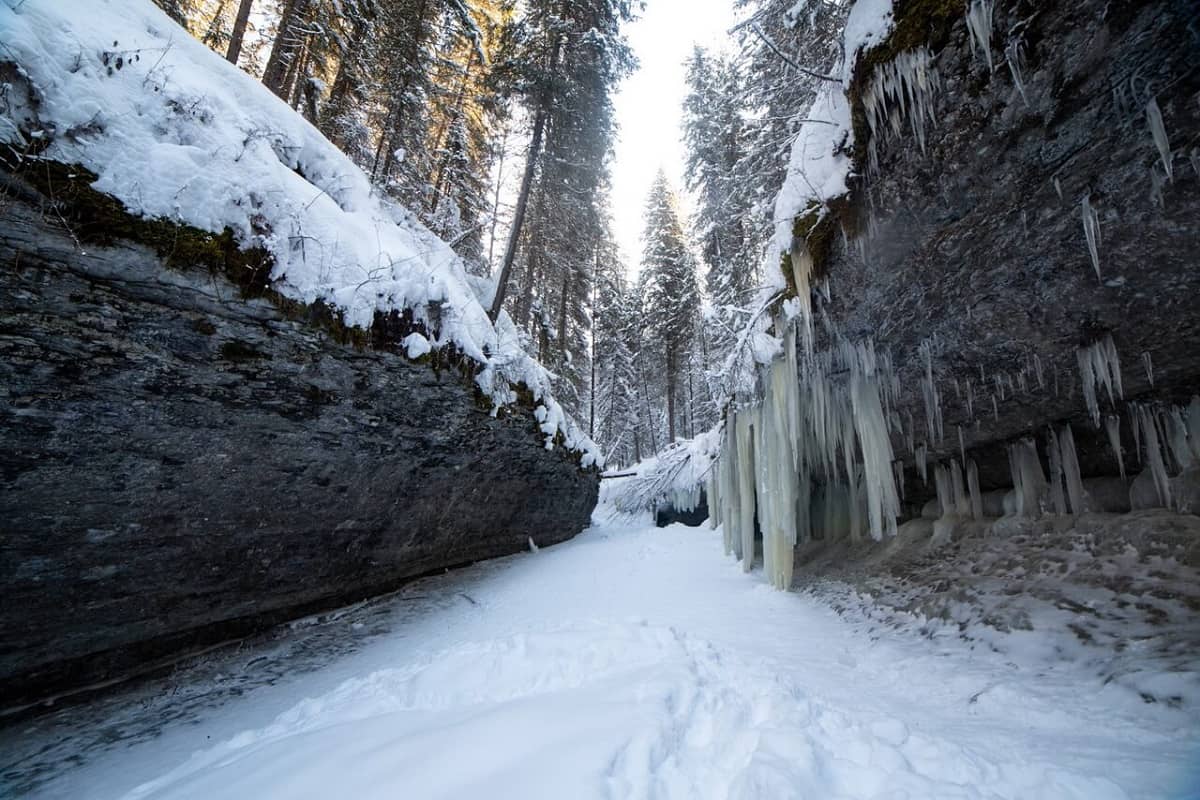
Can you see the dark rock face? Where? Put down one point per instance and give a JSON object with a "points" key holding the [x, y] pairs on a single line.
{"points": [[179, 465], [970, 247]]}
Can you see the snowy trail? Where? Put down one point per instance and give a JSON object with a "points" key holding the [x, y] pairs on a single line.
{"points": [[640, 663]]}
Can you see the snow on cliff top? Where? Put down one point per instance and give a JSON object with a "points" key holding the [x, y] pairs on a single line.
{"points": [[819, 163], [174, 131]]}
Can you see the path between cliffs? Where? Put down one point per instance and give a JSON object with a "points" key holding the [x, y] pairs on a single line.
{"points": [[641, 663]]}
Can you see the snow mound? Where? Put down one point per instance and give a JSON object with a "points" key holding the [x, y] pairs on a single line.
{"points": [[175, 132]]}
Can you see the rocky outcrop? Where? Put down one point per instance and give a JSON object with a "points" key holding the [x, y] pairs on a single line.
{"points": [[975, 245], [181, 464]]}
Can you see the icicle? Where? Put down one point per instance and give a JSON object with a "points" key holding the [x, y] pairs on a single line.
{"points": [[1058, 189], [970, 400], [745, 463], [882, 503], [898, 473], [962, 447], [713, 493], [731, 511], [1099, 365], [1091, 231], [962, 503], [979, 25], [1158, 132], [922, 465], [1037, 366], [802, 270], [995, 409], [1177, 437], [1012, 54], [1149, 367], [1154, 458], [1070, 464], [973, 488], [1112, 426], [933, 399], [1057, 495], [1029, 482], [945, 490], [1132, 408]]}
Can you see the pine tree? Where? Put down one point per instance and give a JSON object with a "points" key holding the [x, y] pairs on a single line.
{"points": [[672, 297], [790, 48], [715, 136]]}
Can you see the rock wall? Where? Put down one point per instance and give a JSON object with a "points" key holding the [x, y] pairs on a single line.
{"points": [[180, 465], [976, 246]]}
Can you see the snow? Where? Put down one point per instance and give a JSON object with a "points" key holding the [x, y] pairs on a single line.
{"points": [[638, 663], [174, 131], [868, 24], [817, 169], [415, 345]]}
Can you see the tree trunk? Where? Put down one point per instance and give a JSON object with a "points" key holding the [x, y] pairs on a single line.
{"points": [[514, 234], [670, 395], [212, 36], [535, 145], [496, 201], [285, 47], [343, 84], [562, 317], [646, 402], [442, 137], [239, 31], [534, 259], [691, 408], [293, 85], [592, 353]]}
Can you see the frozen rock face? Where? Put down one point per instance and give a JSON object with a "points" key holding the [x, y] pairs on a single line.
{"points": [[979, 243], [180, 466]]}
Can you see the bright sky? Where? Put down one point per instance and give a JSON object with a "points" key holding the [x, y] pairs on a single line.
{"points": [[649, 105]]}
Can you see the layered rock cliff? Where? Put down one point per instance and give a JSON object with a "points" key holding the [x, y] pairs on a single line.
{"points": [[1048, 206], [185, 460]]}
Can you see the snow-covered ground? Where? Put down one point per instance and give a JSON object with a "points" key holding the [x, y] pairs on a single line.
{"points": [[630, 662]]}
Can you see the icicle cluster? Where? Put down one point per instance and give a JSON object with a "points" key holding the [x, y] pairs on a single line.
{"points": [[814, 459], [903, 88], [1099, 365], [979, 26], [1168, 438]]}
